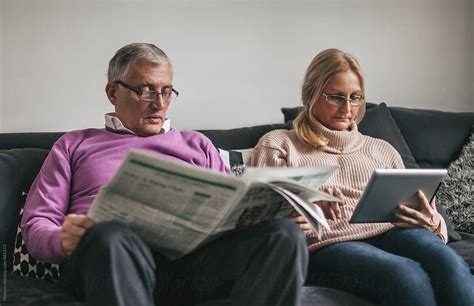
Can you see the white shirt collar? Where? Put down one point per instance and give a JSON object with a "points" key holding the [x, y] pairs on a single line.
{"points": [[114, 123]]}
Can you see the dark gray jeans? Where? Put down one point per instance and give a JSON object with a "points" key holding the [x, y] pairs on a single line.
{"points": [[265, 264]]}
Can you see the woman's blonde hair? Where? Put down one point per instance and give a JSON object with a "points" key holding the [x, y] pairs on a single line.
{"points": [[322, 68]]}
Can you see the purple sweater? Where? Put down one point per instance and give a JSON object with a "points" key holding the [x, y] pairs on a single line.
{"points": [[80, 163]]}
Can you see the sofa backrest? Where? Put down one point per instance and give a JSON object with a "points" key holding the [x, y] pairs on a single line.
{"points": [[435, 137], [41, 140], [18, 169]]}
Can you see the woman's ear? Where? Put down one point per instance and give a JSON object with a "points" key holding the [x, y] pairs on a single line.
{"points": [[111, 91]]}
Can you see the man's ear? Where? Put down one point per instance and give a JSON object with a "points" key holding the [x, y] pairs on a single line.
{"points": [[111, 91]]}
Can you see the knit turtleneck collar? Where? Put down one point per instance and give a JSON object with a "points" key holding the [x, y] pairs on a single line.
{"points": [[341, 142]]}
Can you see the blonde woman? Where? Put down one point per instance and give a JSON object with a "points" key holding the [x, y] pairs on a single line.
{"points": [[405, 263]]}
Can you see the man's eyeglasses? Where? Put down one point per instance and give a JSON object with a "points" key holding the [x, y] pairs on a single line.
{"points": [[150, 95], [338, 100]]}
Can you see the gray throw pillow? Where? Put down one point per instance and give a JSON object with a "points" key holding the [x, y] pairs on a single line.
{"points": [[456, 191], [379, 123]]}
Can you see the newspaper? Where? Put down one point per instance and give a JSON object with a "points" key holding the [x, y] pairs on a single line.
{"points": [[176, 207]]}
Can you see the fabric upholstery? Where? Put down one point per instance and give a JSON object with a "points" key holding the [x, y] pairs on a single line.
{"points": [[379, 123], [465, 248], [18, 169], [434, 137], [456, 190], [241, 138], [28, 140]]}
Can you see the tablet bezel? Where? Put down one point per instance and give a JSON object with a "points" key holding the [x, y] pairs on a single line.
{"points": [[387, 188]]}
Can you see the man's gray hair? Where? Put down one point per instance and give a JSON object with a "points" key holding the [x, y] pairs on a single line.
{"points": [[126, 56]]}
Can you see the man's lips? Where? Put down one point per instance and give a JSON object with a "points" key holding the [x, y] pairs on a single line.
{"points": [[154, 118]]}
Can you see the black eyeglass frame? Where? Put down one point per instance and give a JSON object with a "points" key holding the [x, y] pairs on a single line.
{"points": [[139, 92]]}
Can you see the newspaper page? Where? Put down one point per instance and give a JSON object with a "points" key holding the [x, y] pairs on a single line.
{"points": [[176, 207], [173, 206], [277, 192], [301, 181]]}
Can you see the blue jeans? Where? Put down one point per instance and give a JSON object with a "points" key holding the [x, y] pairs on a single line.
{"points": [[400, 267]]}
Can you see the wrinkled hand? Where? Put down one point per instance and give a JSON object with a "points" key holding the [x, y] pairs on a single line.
{"points": [[301, 222], [332, 210], [74, 226], [426, 216]]}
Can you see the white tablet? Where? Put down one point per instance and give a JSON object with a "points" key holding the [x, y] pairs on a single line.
{"points": [[387, 188]]}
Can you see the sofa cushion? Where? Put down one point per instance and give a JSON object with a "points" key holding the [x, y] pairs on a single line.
{"points": [[379, 123], [21, 291], [40, 140], [312, 296], [443, 134], [290, 113], [465, 248], [18, 169], [455, 192], [241, 138]]}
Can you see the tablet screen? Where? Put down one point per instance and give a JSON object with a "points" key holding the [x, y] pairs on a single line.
{"points": [[387, 188]]}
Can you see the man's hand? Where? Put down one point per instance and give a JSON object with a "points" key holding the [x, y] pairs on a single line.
{"points": [[74, 226], [426, 216], [332, 210]]}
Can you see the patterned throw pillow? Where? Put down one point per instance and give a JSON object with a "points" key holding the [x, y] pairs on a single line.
{"points": [[457, 191], [26, 265], [236, 160]]}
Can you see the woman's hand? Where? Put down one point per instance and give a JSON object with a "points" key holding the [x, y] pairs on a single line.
{"points": [[332, 210], [74, 226], [426, 216], [301, 222]]}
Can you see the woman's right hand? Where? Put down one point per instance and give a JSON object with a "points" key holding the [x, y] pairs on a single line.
{"points": [[301, 222], [332, 210]]}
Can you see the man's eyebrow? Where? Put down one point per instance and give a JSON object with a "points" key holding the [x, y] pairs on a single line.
{"points": [[152, 86]]}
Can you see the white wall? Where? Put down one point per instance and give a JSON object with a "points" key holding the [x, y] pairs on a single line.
{"points": [[236, 62]]}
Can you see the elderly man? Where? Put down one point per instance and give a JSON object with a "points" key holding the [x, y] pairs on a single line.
{"points": [[107, 263]]}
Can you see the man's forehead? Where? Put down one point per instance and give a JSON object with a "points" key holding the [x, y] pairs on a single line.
{"points": [[145, 69]]}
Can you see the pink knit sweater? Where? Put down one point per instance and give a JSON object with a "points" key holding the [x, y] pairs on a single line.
{"points": [[356, 155]]}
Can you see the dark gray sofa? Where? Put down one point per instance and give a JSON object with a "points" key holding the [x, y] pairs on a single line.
{"points": [[424, 138]]}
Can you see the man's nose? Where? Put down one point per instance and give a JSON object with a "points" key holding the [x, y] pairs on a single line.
{"points": [[159, 102]]}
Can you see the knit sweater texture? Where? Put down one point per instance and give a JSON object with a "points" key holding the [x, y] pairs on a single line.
{"points": [[356, 156]]}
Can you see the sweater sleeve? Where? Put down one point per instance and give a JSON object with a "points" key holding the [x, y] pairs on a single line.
{"points": [[443, 234], [47, 205], [213, 159]]}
